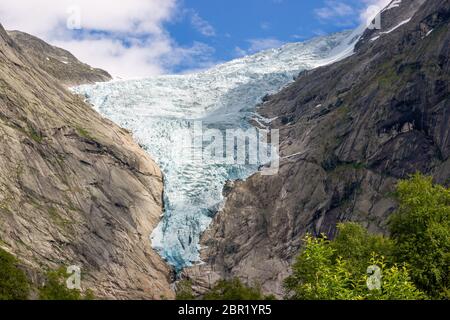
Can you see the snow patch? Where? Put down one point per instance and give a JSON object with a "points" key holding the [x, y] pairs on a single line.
{"points": [[391, 30], [394, 4], [397, 26]]}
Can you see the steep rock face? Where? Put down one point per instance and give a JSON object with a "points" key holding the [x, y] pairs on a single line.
{"points": [[59, 63], [74, 188], [348, 131]]}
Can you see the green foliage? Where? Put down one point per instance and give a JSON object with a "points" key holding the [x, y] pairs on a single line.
{"points": [[234, 290], [415, 261], [55, 288], [57, 218], [359, 166], [84, 133], [318, 275], [421, 230], [356, 245], [184, 290], [322, 273], [35, 135], [13, 281], [396, 283]]}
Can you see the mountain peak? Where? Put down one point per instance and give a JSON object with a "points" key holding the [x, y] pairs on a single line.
{"points": [[59, 63]]}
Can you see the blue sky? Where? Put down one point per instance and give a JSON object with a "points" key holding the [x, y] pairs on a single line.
{"points": [[140, 38], [237, 27]]}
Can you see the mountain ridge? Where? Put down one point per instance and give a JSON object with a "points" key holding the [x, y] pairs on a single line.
{"points": [[59, 63]]}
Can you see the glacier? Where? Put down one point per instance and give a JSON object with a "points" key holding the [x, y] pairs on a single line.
{"points": [[158, 110]]}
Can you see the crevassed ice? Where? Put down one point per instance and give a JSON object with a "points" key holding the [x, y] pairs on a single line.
{"points": [[159, 109]]}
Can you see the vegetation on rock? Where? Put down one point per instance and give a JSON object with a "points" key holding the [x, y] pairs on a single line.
{"points": [[55, 288], [414, 262], [421, 231], [15, 285], [321, 273], [13, 281], [184, 290]]}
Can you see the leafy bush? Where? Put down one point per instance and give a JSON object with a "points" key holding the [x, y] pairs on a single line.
{"points": [[55, 288], [356, 245], [421, 231], [13, 281], [414, 260], [184, 290], [396, 284], [318, 275], [321, 273]]}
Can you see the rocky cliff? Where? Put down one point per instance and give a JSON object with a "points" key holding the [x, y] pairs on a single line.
{"points": [[59, 63], [348, 131], [74, 188]]}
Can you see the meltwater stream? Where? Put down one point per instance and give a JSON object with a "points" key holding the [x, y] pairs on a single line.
{"points": [[159, 110]]}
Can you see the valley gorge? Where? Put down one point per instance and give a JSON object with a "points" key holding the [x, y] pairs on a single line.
{"points": [[92, 176]]}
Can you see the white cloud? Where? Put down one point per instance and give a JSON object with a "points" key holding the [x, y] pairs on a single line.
{"points": [[334, 9], [121, 61], [44, 16], [239, 52], [372, 9], [201, 25], [341, 13], [264, 44], [265, 25], [126, 38], [257, 45], [148, 49]]}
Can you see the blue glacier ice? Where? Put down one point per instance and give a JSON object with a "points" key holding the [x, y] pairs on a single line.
{"points": [[158, 110]]}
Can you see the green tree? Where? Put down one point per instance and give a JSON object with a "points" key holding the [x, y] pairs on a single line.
{"points": [[55, 288], [318, 275], [13, 281], [356, 245], [395, 283], [421, 230], [321, 273]]}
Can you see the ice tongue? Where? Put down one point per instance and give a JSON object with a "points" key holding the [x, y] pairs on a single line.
{"points": [[162, 111]]}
